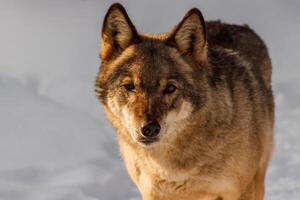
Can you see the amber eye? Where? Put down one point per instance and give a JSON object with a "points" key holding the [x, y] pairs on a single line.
{"points": [[170, 88], [129, 87]]}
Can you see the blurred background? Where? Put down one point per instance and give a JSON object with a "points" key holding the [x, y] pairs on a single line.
{"points": [[55, 143]]}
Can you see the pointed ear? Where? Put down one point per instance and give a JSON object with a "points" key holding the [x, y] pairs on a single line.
{"points": [[189, 36], [118, 32]]}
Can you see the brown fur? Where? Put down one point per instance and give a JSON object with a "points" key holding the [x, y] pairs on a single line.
{"points": [[216, 135]]}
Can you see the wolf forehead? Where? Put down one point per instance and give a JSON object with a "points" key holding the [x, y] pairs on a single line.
{"points": [[146, 64]]}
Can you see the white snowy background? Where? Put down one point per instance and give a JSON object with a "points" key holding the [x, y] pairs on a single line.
{"points": [[55, 143]]}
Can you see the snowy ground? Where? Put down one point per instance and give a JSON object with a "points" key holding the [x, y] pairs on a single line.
{"points": [[55, 143]]}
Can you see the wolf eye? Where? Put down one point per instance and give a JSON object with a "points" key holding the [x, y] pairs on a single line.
{"points": [[129, 87], [170, 88]]}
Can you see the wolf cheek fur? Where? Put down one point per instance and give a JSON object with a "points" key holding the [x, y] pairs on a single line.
{"points": [[193, 108]]}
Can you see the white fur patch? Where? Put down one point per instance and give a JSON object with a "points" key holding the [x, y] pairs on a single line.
{"points": [[123, 114], [128, 122], [174, 121], [113, 106]]}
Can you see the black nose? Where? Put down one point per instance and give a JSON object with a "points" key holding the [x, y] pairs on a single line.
{"points": [[151, 129]]}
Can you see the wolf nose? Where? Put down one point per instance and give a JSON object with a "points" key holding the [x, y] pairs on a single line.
{"points": [[151, 129]]}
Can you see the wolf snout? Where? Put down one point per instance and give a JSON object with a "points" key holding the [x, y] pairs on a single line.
{"points": [[151, 129]]}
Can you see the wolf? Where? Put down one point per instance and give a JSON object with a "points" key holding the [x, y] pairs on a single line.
{"points": [[193, 108]]}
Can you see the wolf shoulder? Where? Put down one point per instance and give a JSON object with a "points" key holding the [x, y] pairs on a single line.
{"points": [[242, 40], [241, 56]]}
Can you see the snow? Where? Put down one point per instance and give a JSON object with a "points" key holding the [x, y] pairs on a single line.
{"points": [[56, 143]]}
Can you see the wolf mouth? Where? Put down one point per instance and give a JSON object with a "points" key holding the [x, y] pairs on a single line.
{"points": [[147, 141]]}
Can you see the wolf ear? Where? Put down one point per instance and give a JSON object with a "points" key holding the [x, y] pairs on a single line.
{"points": [[189, 36], [118, 32]]}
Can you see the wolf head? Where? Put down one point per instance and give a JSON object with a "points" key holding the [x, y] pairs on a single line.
{"points": [[151, 85]]}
